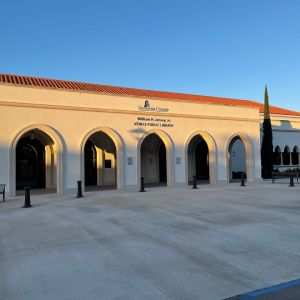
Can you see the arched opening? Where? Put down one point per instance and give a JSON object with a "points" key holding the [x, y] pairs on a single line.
{"points": [[295, 156], [162, 163], [237, 159], [36, 161], [90, 164], [100, 161], [286, 156], [198, 160], [153, 160], [277, 156]]}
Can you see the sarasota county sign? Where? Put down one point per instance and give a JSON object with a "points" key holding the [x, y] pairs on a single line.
{"points": [[148, 107]]}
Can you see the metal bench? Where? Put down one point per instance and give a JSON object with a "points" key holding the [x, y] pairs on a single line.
{"points": [[276, 175], [2, 191]]}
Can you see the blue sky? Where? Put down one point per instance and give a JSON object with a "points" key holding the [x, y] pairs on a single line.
{"points": [[227, 48]]}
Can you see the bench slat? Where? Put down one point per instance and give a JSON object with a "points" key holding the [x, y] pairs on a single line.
{"points": [[284, 175]]}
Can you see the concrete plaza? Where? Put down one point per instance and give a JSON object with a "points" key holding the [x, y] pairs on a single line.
{"points": [[210, 243]]}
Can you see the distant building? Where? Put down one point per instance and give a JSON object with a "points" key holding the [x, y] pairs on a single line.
{"points": [[55, 132]]}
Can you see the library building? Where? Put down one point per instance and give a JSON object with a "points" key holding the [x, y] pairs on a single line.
{"points": [[56, 132]]}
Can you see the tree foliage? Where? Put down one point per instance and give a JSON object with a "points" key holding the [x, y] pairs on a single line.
{"points": [[267, 141]]}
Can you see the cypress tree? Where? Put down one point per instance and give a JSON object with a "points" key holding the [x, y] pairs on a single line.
{"points": [[267, 141]]}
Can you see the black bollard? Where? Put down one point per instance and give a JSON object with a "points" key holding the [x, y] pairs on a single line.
{"points": [[242, 179], [27, 203], [142, 189], [194, 183], [292, 181], [79, 189]]}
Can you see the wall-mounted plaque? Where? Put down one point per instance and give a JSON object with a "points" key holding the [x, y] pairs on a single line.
{"points": [[129, 161]]}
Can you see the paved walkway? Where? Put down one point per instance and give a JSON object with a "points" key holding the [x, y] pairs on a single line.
{"points": [[209, 243]]}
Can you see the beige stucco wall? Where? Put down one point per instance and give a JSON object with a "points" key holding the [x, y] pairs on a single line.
{"points": [[73, 114]]}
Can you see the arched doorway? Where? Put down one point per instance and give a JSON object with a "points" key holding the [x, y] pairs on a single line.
{"points": [[162, 163], [100, 161], [237, 159], [198, 160], [90, 163], [155, 147], [153, 160], [30, 164], [36, 161]]}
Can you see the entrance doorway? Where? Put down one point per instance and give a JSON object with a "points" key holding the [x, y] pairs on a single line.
{"points": [[35, 161], [198, 160], [153, 161], [237, 159], [30, 164], [100, 164], [90, 164]]}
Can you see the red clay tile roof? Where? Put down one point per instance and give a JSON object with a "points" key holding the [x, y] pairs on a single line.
{"points": [[116, 90]]}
